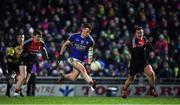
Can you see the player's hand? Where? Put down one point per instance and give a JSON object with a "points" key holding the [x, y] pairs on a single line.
{"points": [[88, 65], [60, 58]]}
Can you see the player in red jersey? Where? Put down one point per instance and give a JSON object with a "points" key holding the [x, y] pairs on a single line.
{"points": [[28, 57], [139, 62]]}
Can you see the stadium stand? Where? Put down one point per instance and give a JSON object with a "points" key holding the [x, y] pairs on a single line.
{"points": [[113, 21]]}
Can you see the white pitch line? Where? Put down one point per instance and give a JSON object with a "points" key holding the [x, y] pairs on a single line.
{"points": [[89, 104]]}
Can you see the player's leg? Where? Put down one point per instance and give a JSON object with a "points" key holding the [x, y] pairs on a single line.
{"points": [[28, 75], [17, 79], [10, 77], [124, 92], [20, 79], [29, 85], [33, 84], [150, 75], [80, 67], [9, 85], [28, 69], [129, 81], [72, 75], [151, 78], [77, 69], [27, 78], [131, 77], [82, 70], [10, 80]]}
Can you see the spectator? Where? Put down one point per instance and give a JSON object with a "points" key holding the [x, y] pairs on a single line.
{"points": [[113, 22], [161, 46]]}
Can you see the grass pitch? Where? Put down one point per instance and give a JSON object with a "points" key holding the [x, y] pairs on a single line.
{"points": [[41, 100]]}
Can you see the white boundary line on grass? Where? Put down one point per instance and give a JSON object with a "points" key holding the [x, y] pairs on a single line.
{"points": [[89, 104]]}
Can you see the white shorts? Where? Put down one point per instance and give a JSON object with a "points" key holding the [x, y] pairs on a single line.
{"points": [[71, 60]]}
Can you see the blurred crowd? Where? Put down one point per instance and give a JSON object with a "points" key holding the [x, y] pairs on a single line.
{"points": [[113, 22]]}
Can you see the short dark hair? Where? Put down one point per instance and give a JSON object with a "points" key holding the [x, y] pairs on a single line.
{"points": [[37, 32], [87, 25], [137, 28], [18, 33]]}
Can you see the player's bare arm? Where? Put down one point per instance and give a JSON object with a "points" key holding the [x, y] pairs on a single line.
{"points": [[64, 46], [90, 55]]}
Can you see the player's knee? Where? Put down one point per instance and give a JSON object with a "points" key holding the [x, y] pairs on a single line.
{"points": [[25, 81], [11, 81], [131, 79], [73, 78], [151, 74], [82, 70], [19, 78], [22, 77]]}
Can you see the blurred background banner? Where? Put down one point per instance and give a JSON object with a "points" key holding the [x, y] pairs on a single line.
{"points": [[50, 86], [101, 90]]}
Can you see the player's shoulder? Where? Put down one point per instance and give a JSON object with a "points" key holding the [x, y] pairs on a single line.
{"points": [[91, 39], [28, 41], [42, 41], [133, 39], [15, 44], [145, 38], [75, 34]]}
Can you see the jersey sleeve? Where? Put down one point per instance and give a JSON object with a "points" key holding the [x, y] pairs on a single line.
{"points": [[26, 44], [92, 42], [71, 37], [148, 44], [42, 44]]}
